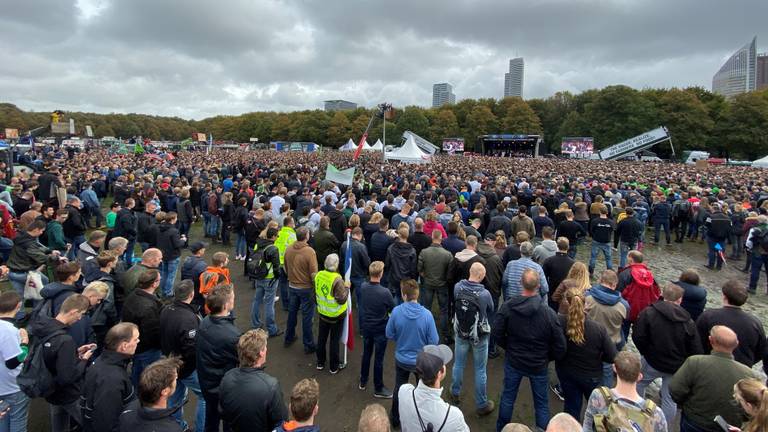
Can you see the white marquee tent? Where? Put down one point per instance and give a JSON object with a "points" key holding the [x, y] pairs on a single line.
{"points": [[409, 152], [378, 146], [761, 163], [367, 146], [349, 146]]}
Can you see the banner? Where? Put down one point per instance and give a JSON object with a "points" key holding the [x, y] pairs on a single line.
{"points": [[339, 176], [635, 144], [11, 133], [577, 145], [88, 131], [200, 137], [453, 145]]}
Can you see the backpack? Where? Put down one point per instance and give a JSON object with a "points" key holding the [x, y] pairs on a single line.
{"points": [[258, 267], [43, 309], [683, 209], [623, 418], [760, 238], [466, 321], [208, 280], [35, 379]]}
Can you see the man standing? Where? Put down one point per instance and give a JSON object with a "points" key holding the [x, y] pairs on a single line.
{"points": [[324, 242], [217, 340], [74, 226], [637, 285], [145, 222], [108, 390], [285, 238], [14, 347], [628, 234], [419, 239], [170, 242], [473, 309], [665, 335], [703, 386], [142, 307], [179, 322], [193, 266], [250, 398], [661, 213], [718, 226], [301, 266], [606, 306], [265, 274], [126, 227], [433, 265], [376, 303], [158, 383], [547, 248], [511, 282], [400, 262], [573, 231], [150, 260], [360, 261], [757, 242], [557, 267], [412, 327], [521, 222], [601, 229], [531, 336], [331, 294]]}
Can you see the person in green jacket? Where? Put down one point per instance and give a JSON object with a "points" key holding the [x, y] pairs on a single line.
{"points": [[55, 231], [112, 215]]}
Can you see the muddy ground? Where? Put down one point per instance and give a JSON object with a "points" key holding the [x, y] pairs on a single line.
{"points": [[341, 402]]}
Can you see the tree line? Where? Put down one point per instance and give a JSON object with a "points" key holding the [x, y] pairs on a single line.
{"points": [[696, 118]]}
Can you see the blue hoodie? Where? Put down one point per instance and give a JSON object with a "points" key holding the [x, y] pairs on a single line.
{"points": [[411, 326], [606, 296]]}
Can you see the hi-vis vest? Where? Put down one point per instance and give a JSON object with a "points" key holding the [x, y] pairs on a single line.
{"points": [[326, 304], [285, 237]]}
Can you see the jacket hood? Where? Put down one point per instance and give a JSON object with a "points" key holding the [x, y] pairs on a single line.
{"points": [[23, 238], [262, 243], [412, 311], [465, 255], [400, 249], [55, 288], [641, 274], [671, 311], [335, 214], [527, 306], [163, 227], [87, 248], [157, 414], [469, 285], [549, 245], [299, 245], [485, 250], [605, 295], [43, 327]]}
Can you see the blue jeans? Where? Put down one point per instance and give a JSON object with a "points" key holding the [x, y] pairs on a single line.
{"points": [[301, 299], [206, 222], [608, 379], [572, 250], [479, 360], [6, 245], [168, 276], [668, 406], [265, 290], [128, 254], [657, 226], [18, 280], [213, 226], [512, 378], [624, 249], [378, 344], [605, 248], [713, 256], [141, 361], [282, 285], [179, 397], [758, 262], [575, 390], [16, 418], [240, 244], [75, 241]]}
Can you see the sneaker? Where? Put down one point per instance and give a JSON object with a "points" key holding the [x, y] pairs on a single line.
{"points": [[361, 386], [486, 409], [342, 366], [277, 333], [334, 372], [277, 298], [383, 393], [320, 366], [557, 391]]}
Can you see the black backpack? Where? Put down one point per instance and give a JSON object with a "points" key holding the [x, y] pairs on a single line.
{"points": [[258, 267], [760, 238], [43, 309], [683, 209], [466, 321], [35, 379]]}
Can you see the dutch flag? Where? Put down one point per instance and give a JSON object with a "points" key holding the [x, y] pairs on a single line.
{"points": [[348, 332]]}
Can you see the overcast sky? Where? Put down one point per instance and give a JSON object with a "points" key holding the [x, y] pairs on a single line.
{"points": [[198, 58]]}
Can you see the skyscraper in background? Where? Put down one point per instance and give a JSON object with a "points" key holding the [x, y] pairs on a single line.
{"points": [[762, 71], [442, 94], [739, 73], [513, 80]]}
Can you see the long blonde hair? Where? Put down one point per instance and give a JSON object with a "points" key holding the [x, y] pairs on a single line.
{"points": [[576, 318], [579, 274], [755, 393], [501, 240], [270, 224]]}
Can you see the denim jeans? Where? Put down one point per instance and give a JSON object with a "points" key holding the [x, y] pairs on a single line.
{"points": [[206, 222], [758, 263], [572, 250], [402, 374], [329, 330], [240, 243], [18, 280], [378, 344], [16, 418], [605, 248], [128, 254], [624, 249], [168, 276], [737, 242], [180, 396], [141, 361], [657, 226], [539, 383], [63, 416], [668, 406], [212, 416], [479, 361], [575, 390], [75, 241], [264, 293], [687, 426], [426, 296], [213, 226], [301, 298], [713, 256], [282, 285], [6, 245]]}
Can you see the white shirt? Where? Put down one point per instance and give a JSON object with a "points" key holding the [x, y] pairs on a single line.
{"points": [[277, 203], [432, 409], [10, 342]]}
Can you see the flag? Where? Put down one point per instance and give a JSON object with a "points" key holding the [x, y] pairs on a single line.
{"points": [[336, 175], [347, 331], [137, 148], [362, 141]]}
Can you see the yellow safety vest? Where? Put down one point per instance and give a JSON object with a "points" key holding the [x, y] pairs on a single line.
{"points": [[326, 304], [285, 237]]}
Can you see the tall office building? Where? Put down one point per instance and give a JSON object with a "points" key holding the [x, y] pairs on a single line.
{"points": [[442, 94], [762, 71], [738, 74], [513, 80], [339, 105]]}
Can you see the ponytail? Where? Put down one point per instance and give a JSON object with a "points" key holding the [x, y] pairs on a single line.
{"points": [[576, 318], [754, 393]]}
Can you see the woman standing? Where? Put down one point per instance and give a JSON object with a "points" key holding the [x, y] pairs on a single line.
{"points": [[752, 395]]}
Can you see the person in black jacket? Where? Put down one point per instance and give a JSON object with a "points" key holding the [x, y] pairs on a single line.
{"points": [[193, 266], [142, 307], [661, 213], [217, 340], [251, 399], [324, 241], [338, 222], [186, 215], [718, 227], [239, 219], [170, 242], [665, 335], [265, 286], [694, 296], [419, 239], [557, 267], [74, 226], [360, 261], [400, 263], [107, 390], [628, 233], [380, 242], [601, 229], [158, 383], [573, 231], [531, 336], [65, 360], [144, 223], [126, 227], [178, 327]]}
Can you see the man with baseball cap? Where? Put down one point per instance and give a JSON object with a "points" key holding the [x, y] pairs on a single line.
{"points": [[422, 406]]}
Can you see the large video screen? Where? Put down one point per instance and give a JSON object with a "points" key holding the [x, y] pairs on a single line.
{"points": [[580, 145], [453, 145]]}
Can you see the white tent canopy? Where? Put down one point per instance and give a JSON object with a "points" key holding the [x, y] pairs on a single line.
{"points": [[378, 146], [367, 146], [409, 152], [761, 163], [349, 146]]}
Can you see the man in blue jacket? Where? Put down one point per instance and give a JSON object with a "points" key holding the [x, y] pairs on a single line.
{"points": [[411, 326], [374, 308]]}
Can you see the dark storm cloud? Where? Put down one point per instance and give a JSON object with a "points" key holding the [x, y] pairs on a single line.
{"points": [[198, 58]]}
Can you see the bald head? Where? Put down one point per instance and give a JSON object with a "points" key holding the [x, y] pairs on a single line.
{"points": [[152, 257], [563, 422], [723, 339], [477, 272], [530, 282]]}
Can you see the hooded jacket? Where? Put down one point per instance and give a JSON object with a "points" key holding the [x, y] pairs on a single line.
{"points": [[628, 231], [169, 241], [324, 243], [144, 224], [694, 299], [493, 269], [400, 264], [216, 351], [81, 331], [360, 260], [107, 392], [143, 309], [75, 224], [607, 307], [61, 359], [665, 335], [27, 253], [528, 330], [547, 248], [192, 267], [125, 225], [251, 400], [144, 419], [301, 265], [338, 224], [178, 327], [86, 253], [586, 359], [638, 286], [411, 326], [460, 265]]}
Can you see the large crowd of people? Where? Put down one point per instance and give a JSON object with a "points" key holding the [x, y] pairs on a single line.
{"points": [[464, 256]]}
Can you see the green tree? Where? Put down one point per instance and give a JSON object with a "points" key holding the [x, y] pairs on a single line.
{"points": [[413, 119], [443, 126], [744, 124], [617, 113], [480, 121], [339, 130], [519, 118], [281, 128], [686, 118]]}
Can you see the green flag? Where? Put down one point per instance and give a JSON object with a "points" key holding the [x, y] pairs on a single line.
{"points": [[336, 175], [138, 149]]}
